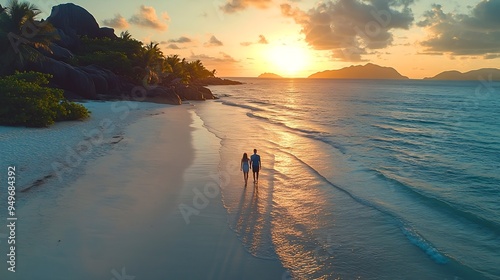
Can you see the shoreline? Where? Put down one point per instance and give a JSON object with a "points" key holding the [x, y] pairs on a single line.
{"points": [[218, 253], [100, 226]]}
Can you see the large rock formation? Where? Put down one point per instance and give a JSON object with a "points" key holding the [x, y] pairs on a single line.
{"points": [[73, 21], [58, 52], [163, 95], [189, 92], [207, 93], [216, 81], [67, 77], [86, 82], [92, 81], [105, 81], [67, 41]]}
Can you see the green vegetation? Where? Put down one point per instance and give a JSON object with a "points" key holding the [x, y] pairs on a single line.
{"points": [[22, 36], [25, 100], [138, 62], [118, 56]]}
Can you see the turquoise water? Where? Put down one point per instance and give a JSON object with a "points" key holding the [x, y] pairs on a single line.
{"points": [[364, 179]]}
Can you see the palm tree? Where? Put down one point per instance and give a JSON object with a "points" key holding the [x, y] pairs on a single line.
{"points": [[153, 63], [177, 67], [125, 35], [153, 52], [197, 71], [22, 36]]}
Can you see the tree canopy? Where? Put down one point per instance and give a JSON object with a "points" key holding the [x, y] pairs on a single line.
{"points": [[138, 61], [23, 37], [26, 100]]}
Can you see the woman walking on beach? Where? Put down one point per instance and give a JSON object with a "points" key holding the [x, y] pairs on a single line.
{"points": [[245, 167]]}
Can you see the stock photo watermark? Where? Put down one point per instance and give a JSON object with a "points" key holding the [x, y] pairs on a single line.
{"points": [[12, 218], [30, 29]]}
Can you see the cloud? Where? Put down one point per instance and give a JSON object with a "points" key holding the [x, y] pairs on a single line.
{"points": [[117, 22], [147, 18], [181, 40], [223, 62], [350, 27], [476, 33], [173, 47], [353, 54], [224, 57], [165, 16], [227, 58], [213, 42], [262, 40], [234, 6]]}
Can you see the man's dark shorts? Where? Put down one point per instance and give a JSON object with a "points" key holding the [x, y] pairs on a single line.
{"points": [[255, 168]]}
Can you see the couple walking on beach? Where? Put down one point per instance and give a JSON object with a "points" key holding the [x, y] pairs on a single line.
{"points": [[253, 163]]}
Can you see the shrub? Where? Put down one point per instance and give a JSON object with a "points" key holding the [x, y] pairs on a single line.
{"points": [[26, 101], [72, 111], [117, 62]]}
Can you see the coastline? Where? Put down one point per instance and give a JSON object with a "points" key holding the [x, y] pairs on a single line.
{"points": [[204, 239], [121, 217]]}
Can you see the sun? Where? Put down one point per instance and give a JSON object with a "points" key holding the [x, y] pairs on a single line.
{"points": [[288, 59]]}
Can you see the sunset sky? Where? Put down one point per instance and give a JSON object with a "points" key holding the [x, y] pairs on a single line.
{"points": [[295, 38]]}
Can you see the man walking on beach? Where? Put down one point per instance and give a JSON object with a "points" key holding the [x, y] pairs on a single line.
{"points": [[256, 164]]}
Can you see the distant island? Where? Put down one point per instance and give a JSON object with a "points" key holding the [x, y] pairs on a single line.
{"points": [[473, 75], [377, 72], [270, 76], [368, 71]]}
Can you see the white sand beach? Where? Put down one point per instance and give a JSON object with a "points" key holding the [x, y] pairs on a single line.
{"points": [[120, 218]]}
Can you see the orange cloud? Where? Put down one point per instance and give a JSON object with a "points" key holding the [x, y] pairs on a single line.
{"points": [[182, 39], [213, 42], [223, 58], [262, 40], [117, 22], [147, 17], [237, 5]]}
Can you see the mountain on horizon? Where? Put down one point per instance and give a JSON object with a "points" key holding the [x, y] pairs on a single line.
{"points": [[473, 75], [368, 71], [270, 75]]}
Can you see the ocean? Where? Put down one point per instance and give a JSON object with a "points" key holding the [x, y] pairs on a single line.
{"points": [[363, 179]]}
